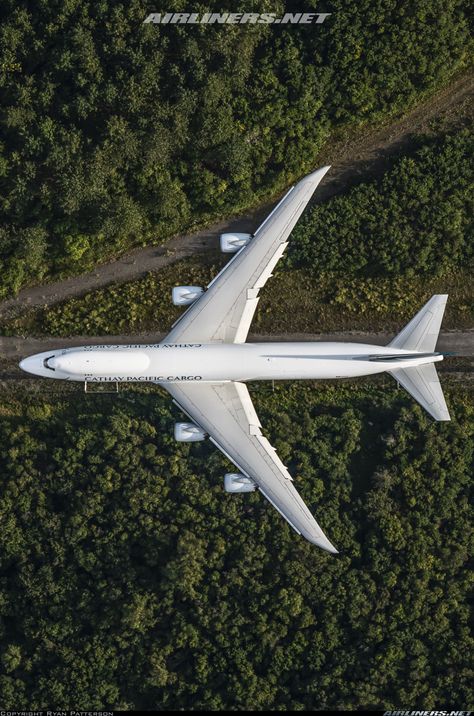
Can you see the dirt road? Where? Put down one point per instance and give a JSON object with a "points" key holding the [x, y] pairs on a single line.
{"points": [[366, 154]]}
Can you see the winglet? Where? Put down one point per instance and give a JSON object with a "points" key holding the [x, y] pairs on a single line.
{"points": [[316, 536], [317, 175], [324, 543]]}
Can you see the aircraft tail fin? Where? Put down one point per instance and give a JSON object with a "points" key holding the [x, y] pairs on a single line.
{"points": [[423, 384], [421, 334]]}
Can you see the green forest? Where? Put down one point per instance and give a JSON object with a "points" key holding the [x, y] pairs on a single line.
{"points": [[366, 259], [131, 580], [416, 220], [115, 132]]}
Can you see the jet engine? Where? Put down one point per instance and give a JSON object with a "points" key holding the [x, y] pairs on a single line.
{"points": [[236, 482], [231, 243], [188, 433], [184, 295]]}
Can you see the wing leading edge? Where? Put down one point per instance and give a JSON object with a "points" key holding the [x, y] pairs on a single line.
{"points": [[225, 310], [225, 411]]}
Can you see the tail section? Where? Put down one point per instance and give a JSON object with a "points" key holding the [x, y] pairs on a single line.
{"points": [[421, 335], [423, 384]]}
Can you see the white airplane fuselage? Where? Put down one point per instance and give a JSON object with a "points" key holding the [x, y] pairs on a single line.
{"points": [[164, 363]]}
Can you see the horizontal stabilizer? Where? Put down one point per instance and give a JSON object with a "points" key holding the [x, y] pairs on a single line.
{"points": [[423, 384], [421, 334]]}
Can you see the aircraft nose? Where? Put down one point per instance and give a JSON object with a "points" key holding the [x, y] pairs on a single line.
{"points": [[30, 364]]}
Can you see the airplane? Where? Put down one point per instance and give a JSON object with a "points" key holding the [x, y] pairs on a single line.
{"points": [[204, 362]]}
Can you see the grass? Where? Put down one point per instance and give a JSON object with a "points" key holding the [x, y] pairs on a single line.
{"points": [[317, 303]]}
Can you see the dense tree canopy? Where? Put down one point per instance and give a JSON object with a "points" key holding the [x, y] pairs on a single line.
{"points": [[129, 578], [116, 132], [416, 219]]}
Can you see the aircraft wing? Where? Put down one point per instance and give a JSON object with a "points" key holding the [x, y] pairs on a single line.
{"points": [[225, 310], [226, 413]]}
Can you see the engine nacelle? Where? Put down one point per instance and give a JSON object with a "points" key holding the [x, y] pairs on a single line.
{"points": [[184, 295], [231, 243], [236, 482], [188, 433]]}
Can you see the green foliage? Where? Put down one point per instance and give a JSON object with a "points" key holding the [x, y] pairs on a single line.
{"points": [[417, 219], [115, 132], [134, 306], [130, 579], [315, 303], [331, 302]]}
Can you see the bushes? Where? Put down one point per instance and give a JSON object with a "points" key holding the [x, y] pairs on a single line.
{"points": [[417, 220]]}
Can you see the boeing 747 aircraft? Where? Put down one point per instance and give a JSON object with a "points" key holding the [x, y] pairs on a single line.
{"points": [[205, 361]]}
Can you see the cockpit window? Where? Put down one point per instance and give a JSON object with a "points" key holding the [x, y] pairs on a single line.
{"points": [[46, 364]]}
